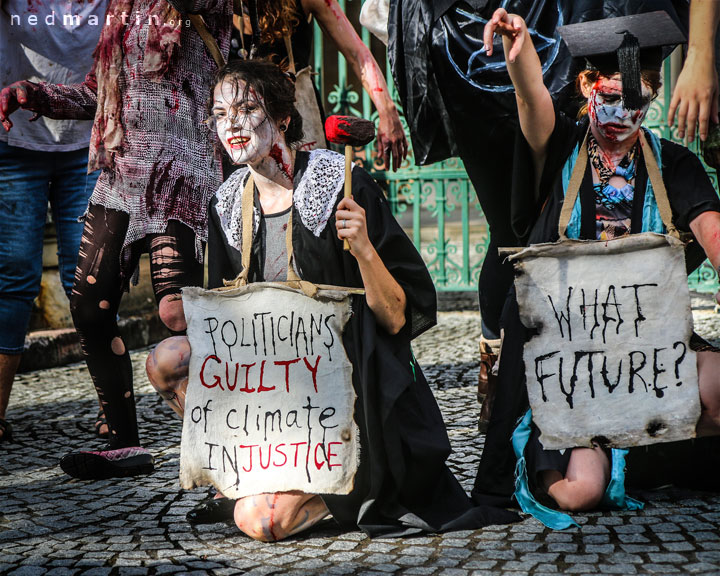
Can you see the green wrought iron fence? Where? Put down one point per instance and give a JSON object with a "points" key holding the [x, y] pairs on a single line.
{"points": [[436, 204]]}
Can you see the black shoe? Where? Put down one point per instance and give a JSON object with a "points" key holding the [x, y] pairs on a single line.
{"points": [[212, 510], [7, 430], [108, 463]]}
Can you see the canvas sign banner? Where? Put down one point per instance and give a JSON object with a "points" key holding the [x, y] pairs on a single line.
{"points": [[610, 358], [270, 400]]}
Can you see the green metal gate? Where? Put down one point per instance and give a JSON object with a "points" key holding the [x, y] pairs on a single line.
{"points": [[436, 204]]}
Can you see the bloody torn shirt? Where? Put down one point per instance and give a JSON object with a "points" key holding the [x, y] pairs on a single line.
{"points": [[167, 168]]}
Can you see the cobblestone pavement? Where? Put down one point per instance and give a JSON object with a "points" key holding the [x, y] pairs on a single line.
{"points": [[51, 524]]}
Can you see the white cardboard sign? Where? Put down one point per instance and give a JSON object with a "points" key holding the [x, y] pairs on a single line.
{"points": [[611, 358], [270, 401]]}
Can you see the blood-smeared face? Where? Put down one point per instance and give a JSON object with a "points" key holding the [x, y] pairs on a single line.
{"points": [[242, 125], [608, 114]]}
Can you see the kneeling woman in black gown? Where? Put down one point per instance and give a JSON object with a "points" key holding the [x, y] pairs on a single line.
{"points": [[403, 484], [615, 198]]}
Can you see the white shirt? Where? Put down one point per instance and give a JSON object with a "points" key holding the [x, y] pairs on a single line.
{"points": [[50, 41]]}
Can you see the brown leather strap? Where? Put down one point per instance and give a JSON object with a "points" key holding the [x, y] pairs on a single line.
{"points": [[291, 275], [656, 180], [248, 199], [289, 50], [198, 23], [573, 188], [661, 196]]}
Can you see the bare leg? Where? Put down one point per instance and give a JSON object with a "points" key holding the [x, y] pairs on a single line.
{"points": [[8, 367], [272, 517], [584, 483], [708, 364], [167, 368]]}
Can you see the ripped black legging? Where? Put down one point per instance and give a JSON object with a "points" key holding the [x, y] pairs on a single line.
{"points": [[100, 280]]}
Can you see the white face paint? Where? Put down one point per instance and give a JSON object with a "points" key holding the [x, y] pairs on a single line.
{"points": [[244, 129], [607, 112]]}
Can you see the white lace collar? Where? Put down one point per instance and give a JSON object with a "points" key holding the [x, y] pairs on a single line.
{"points": [[314, 198]]}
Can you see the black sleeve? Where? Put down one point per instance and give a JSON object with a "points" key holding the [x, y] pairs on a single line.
{"points": [[397, 252], [219, 263], [527, 202], [690, 190]]}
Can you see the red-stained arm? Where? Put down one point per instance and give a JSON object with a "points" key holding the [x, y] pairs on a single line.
{"points": [[71, 101], [706, 229], [391, 142]]}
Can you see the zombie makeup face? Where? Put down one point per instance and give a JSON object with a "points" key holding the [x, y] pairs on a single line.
{"points": [[608, 115], [242, 125]]}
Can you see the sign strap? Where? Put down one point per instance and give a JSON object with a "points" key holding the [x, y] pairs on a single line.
{"points": [[211, 44], [656, 180], [248, 204], [661, 196], [573, 188], [293, 280]]}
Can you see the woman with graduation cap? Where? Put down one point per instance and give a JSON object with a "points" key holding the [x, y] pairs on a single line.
{"points": [[618, 85]]}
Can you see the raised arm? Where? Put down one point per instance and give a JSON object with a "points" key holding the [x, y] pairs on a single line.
{"points": [[695, 99], [392, 145], [71, 101], [535, 107]]}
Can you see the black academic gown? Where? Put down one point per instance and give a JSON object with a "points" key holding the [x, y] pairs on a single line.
{"points": [[403, 485], [536, 216]]}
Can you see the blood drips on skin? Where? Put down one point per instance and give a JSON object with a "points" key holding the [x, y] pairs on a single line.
{"points": [[272, 516], [277, 155]]}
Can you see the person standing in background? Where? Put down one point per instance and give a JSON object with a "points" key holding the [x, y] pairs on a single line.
{"points": [[146, 92], [40, 161]]}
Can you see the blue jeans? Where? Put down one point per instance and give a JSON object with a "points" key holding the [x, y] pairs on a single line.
{"points": [[28, 180]]}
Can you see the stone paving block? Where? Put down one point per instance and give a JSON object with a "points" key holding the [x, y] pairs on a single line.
{"points": [[702, 568], [546, 569], [419, 570], [633, 539], [28, 571], [342, 545], [456, 552], [132, 571], [704, 536], [579, 569], [660, 569], [559, 537], [562, 547], [709, 556], [526, 546], [416, 551], [617, 569], [599, 548], [625, 558], [165, 568]]}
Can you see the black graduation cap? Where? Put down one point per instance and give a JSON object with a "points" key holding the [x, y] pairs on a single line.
{"points": [[627, 45]]}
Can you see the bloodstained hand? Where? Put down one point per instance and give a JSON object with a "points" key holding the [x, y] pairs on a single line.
{"points": [[17, 95]]}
